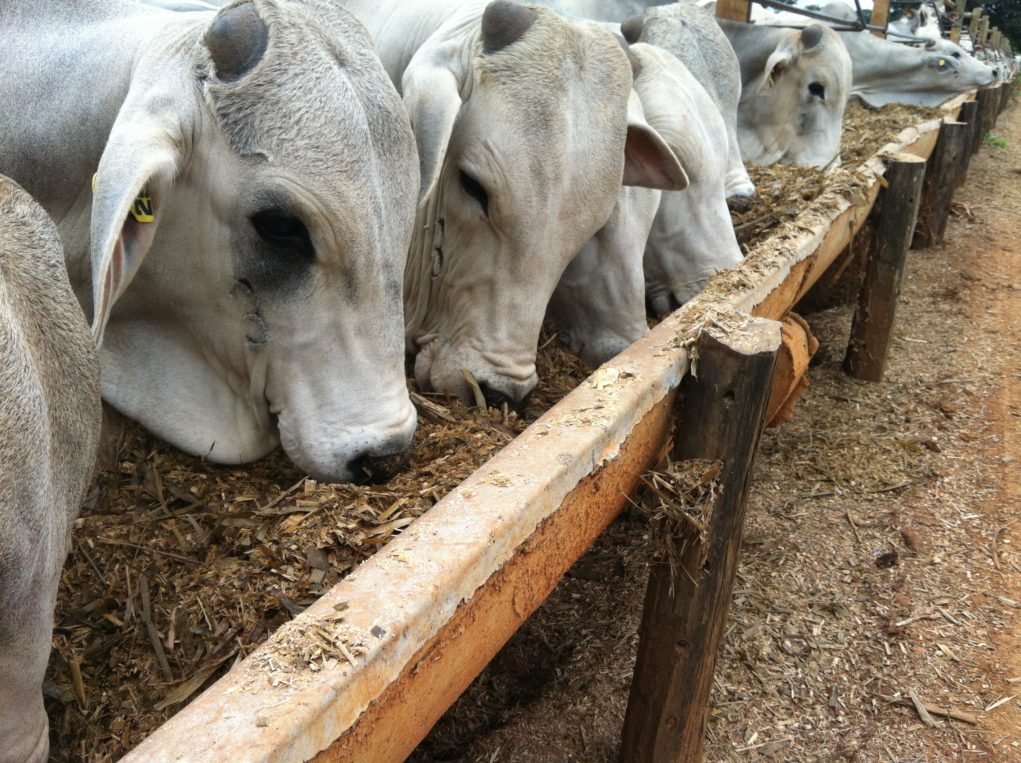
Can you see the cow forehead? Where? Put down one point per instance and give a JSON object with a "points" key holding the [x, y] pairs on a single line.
{"points": [[555, 96], [553, 59], [319, 108]]}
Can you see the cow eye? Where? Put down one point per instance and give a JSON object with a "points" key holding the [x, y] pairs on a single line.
{"points": [[957, 55], [474, 188], [818, 90], [283, 230]]}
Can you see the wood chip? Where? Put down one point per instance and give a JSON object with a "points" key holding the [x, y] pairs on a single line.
{"points": [[923, 714], [1003, 700]]}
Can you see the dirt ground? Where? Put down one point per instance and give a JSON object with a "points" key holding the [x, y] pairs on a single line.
{"points": [[882, 555]]}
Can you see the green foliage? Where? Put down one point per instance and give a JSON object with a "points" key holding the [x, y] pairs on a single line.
{"points": [[1005, 14], [994, 140]]}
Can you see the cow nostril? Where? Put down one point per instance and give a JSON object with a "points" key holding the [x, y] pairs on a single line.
{"points": [[377, 469], [494, 398]]}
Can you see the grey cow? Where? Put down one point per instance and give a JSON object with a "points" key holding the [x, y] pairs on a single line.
{"points": [[49, 429], [243, 248]]}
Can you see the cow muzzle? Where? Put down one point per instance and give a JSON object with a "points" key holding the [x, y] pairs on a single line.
{"points": [[460, 371], [372, 452]]}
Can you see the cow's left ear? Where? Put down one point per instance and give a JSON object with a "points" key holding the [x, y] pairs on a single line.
{"points": [[136, 170], [648, 160], [777, 62]]}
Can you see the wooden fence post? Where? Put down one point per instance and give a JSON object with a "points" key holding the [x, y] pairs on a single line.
{"points": [[981, 119], [719, 416], [735, 10], [940, 180], [880, 16], [969, 115], [872, 326]]}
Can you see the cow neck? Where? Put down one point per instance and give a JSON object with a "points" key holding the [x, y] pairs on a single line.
{"points": [[425, 266]]}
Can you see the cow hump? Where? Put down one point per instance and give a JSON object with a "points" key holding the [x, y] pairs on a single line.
{"points": [[236, 41], [811, 36], [503, 23]]}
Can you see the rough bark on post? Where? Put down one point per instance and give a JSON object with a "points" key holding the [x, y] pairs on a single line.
{"points": [[982, 118], [969, 115], [872, 326], [938, 188], [719, 416]]}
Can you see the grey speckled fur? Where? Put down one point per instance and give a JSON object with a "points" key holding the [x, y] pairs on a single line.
{"points": [[49, 429]]}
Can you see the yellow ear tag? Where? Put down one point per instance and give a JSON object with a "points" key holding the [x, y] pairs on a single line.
{"points": [[769, 79], [142, 209], [942, 62]]}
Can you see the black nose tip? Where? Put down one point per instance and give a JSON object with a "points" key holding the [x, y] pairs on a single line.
{"points": [[494, 397], [376, 469]]}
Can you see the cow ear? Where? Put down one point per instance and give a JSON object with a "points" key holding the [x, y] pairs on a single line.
{"points": [[775, 65], [135, 172], [432, 97], [648, 160]]}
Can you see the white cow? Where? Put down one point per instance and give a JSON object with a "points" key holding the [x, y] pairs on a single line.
{"points": [[885, 71], [794, 89], [251, 216], [49, 429], [916, 22], [598, 305], [794, 85], [691, 34], [522, 124]]}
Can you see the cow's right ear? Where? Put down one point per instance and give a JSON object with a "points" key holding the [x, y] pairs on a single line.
{"points": [[432, 98], [648, 160], [136, 170]]}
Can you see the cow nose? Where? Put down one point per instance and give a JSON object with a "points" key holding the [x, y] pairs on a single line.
{"points": [[996, 73], [494, 397], [377, 469]]}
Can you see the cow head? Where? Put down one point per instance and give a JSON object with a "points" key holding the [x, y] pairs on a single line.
{"points": [[968, 71], [272, 170], [523, 136], [792, 109]]}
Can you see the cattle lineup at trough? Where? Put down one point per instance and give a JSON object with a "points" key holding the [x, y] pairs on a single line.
{"points": [[271, 212]]}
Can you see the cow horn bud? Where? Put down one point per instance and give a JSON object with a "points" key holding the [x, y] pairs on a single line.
{"points": [[236, 41], [632, 29], [811, 36], [503, 23]]}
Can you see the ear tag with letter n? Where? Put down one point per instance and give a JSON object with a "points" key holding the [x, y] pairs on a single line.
{"points": [[142, 208]]}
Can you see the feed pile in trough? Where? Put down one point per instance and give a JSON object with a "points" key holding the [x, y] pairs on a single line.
{"points": [[178, 567], [785, 190]]}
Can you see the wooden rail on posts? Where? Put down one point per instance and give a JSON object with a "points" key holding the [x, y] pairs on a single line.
{"points": [[735, 10], [940, 180], [880, 16], [969, 115], [897, 212], [719, 419]]}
